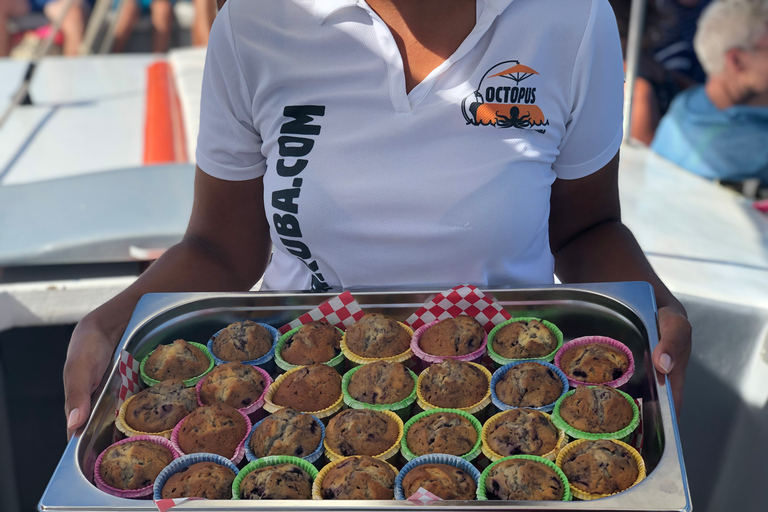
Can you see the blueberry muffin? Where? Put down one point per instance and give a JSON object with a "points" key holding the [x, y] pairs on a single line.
{"points": [[594, 363], [309, 388], [179, 360], [441, 432], [216, 428], [522, 432], [376, 335], [443, 480], [315, 342], [278, 482], [160, 407], [287, 432], [524, 340], [522, 479], [453, 384], [529, 385], [242, 341], [359, 478], [381, 383], [237, 385], [202, 480], [600, 467], [453, 337], [596, 409], [361, 432], [133, 465]]}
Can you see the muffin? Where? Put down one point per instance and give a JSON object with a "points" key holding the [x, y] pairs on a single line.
{"points": [[237, 385], [523, 479], [359, 478], [315, 342], [524, 340], [594, 363], [242, 341], [160, 407], [179, 360], [278, 482], [133, 465], [376, 335], [202, 480], [529, 385], [309, 388], [600, 467], [216, 428], [287, 432], [454, 384], [441, 432], [361, 432], [521, 432], [596, 409], [453, 337], [381, 383], [444, 481]]}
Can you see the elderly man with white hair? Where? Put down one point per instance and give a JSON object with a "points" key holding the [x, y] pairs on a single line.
{"points": [[720, 130]]}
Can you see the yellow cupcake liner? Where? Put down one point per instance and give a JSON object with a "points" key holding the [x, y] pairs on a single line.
{"points": [[385, 456], [123, 427], [271, 407], [583, 495], [473, 409], [317, 487], [493, 456], [400, 358]]}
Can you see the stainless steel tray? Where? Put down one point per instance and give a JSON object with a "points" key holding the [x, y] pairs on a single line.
{"points": [[625, 311]]}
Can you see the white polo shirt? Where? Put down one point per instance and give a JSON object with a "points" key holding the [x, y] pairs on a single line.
{"points": [[366, 185]]}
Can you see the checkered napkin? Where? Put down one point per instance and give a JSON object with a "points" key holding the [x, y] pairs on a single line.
{"points": [[130, 382], [341, 311], [169, 503], [460, 300], [423, 496]]}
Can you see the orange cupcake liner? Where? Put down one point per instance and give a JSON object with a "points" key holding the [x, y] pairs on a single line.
{"points": [[493, 456], [272, 407], [123, 427], [400, 358], [385, 456], [473, 409]]}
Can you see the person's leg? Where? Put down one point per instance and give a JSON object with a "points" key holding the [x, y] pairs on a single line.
{"points": [[73, 25], [125, 25], [205, 12], [9, 9], [162, 25]]}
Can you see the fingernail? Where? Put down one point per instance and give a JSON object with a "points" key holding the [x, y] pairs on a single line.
{"points": [[666, 363], [73, 416]]}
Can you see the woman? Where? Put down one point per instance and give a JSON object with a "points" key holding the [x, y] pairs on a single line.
{"points": [[400, 143]]}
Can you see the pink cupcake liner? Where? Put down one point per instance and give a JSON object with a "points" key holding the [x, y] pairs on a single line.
{"points": [[429, 358], [585, 340], [131, 493], [255, 406], [239, 451]]}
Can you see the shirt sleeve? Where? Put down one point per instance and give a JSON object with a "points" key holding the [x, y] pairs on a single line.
{"points": [[228, 145], [594, 130]]}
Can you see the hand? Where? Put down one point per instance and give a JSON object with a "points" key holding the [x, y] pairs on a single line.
{"points": [[671, 354]]}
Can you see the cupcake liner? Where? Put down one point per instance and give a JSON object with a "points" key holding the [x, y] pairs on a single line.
{"points": [[493, 456], [469, 456], [400, 358], [271, 407], [499, 374], [271, 461], [401, 408], [239, 451], [311, 458], [317, 487], [132, 493], [434, 458], [473, 409], [184, 462], [430, 358], [501, 360], [606, 341], [261, 361], [583, 495], [123, 427], [481, 492], [337, 362], [149, 381], [253, 407], [575, 433], [385, 456]]}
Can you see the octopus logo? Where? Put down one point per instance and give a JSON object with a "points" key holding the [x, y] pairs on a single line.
{"points": [[501, 101]]}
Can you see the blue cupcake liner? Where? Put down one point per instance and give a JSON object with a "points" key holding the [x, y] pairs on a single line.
{"points": [[498, 374], [434, 458], [186, 461], [262, 361], [311, 458]]}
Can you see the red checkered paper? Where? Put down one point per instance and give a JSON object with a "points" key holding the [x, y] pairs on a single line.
{"points": [[423, 496], [169, 503], [341, 311], [130, 381], [460, 300]]}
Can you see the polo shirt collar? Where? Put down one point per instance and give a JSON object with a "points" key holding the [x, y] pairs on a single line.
{"points": [[324, 8]]}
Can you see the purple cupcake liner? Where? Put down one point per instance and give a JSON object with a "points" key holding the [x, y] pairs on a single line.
{"points": [[130, 493], [311, 458], [239, 451], [263, 360], [184, 462], [586, 340], [499, 374], [255, 406], [434, 458], [429, 358]]}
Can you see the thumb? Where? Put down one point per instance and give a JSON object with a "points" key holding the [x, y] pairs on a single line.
{"points": [[675, 341], [77, 400]]}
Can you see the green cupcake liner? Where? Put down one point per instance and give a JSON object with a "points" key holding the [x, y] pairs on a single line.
{"points": [[501, 361], [469, 457], [621, 435], [337, 362], [271, 461], [401, 408], [189, 382], [481, 495]]}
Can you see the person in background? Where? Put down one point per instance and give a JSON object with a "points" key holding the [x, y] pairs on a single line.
{"points": [[205, 12], [72, 26], [675, 50], [720, 130], [9, 9], [161, 13]]}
